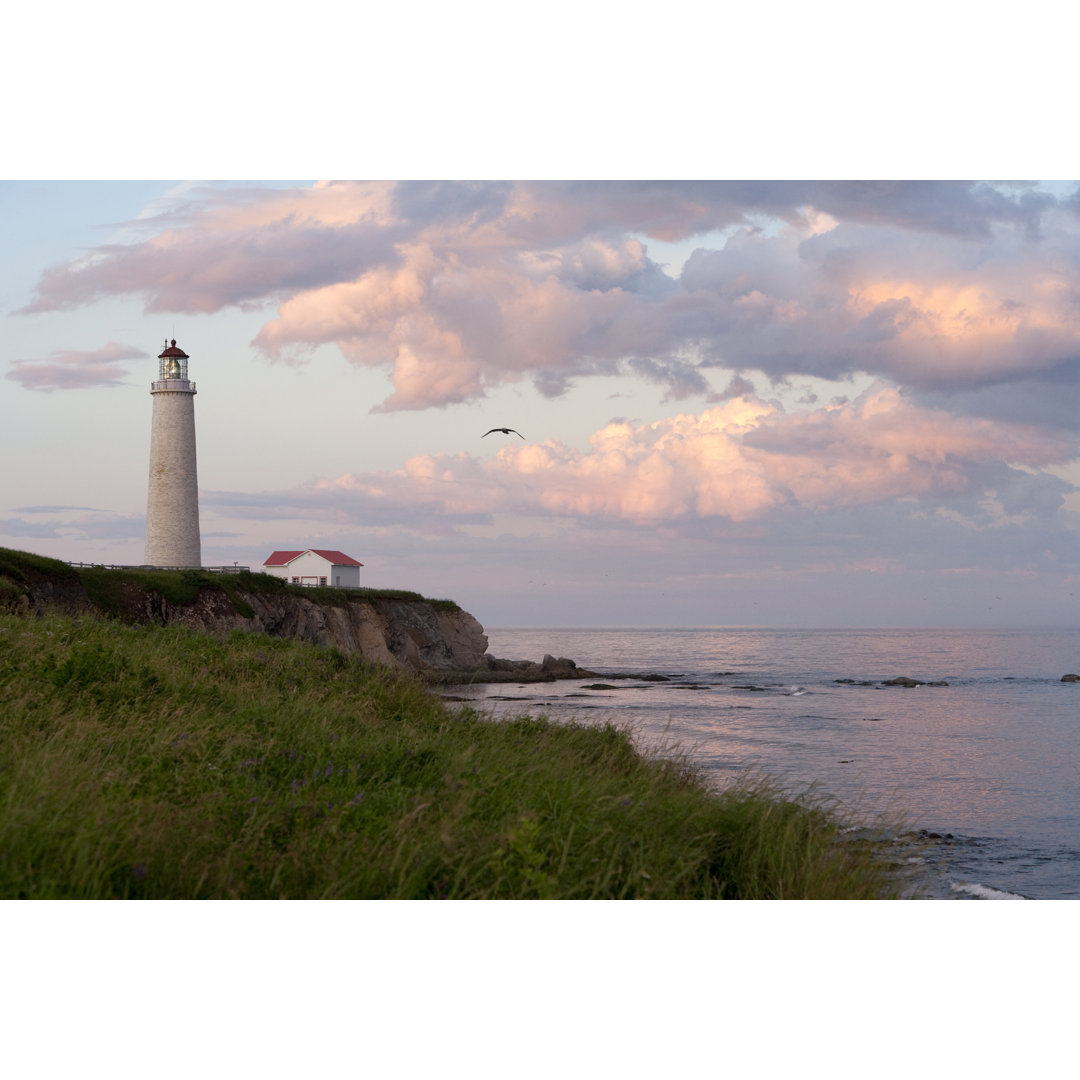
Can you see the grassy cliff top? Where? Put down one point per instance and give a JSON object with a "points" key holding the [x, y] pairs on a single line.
{"points": [[112, 591], [140, 761]]}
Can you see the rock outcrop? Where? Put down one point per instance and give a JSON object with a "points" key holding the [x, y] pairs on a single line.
{"points": [[904, 680], [494, 670], [397, 633], [417, 634]]}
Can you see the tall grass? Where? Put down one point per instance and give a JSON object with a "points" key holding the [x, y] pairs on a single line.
{"points": [[122, 593], [147, 761]]}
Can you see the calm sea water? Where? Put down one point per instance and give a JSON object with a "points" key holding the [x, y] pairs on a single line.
{"points": [[989, 763]]}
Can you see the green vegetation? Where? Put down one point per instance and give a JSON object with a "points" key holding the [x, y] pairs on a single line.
{"points": [[111, 590], [9, 594], [16, 564], [153, 762], [121, 593]]}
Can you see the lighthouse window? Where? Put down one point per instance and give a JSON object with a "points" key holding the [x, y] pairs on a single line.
{"points": [[322, 581], [296, 581]]}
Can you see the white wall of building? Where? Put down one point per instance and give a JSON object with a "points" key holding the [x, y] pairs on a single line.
{"points": [[312, 569]]}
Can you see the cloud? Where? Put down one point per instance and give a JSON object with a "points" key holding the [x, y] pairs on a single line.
{"points": [[928, 312], [454, 288], [872, 512], [244, 249], [734, 464], [83, 523], [37, 530], [743, 459], [72, 369], [415, 497], [56, 509], [740, 387]]}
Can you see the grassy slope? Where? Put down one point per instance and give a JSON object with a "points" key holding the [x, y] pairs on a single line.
{"points": [[141, 761], [120, 592]]}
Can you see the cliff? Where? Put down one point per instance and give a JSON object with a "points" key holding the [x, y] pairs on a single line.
{"points": [[390, 627], [393, 632]]}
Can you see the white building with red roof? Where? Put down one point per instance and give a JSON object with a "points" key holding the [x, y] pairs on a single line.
{"points": [[315, 566]]}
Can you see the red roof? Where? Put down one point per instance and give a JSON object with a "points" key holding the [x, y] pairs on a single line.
{"points": [[338, 558], [173, 351]]}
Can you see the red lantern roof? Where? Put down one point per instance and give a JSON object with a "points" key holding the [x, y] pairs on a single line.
{"points": [[173, 351]]}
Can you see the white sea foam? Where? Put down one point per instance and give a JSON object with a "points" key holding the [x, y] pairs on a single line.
{"points": [[983, 892]]}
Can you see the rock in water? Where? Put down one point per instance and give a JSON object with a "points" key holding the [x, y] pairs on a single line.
{"points": [[561, 668]]}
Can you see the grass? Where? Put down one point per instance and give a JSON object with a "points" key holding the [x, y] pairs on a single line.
{"points": [[16, 564], [110, 590], [122, 593], [154, 762]]}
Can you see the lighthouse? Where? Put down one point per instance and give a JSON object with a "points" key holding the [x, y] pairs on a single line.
{"points": [[172, 503]]}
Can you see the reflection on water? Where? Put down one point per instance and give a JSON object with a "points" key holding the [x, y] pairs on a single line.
{"points": [[995, 754]]}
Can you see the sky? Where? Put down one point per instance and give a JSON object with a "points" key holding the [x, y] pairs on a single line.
{"points": [[745, 403], [775, 399]]}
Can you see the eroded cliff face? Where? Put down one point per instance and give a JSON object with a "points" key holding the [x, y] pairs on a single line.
{"points": [[397, 633], [411, 634]]}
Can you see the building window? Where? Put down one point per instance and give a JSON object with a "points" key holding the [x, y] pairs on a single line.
{"points": [[296, 581], [322, 581]]}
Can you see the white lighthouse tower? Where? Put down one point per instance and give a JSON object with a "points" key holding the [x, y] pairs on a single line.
{"points": [[172, 504]]}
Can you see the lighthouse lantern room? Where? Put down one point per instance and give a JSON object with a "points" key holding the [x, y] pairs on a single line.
{"points": [[172, 366]]}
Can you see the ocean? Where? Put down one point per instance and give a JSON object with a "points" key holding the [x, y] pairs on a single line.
{"points": [[984, 771]]}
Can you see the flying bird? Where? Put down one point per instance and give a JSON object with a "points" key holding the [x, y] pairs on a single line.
{"points": [[505, 431]]}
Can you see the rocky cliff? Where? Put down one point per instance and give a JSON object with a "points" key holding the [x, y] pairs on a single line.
{"points": [[398, 633], [407, 633], [435, 638]]}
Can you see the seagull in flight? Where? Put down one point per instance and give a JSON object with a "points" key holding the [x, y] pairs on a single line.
{"points": [[505, 431]]}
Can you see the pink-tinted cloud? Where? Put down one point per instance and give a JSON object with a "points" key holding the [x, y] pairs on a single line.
{"points": [[925, 311], [454, 288], [72, 369], [258, 247], [744, 458], [737, 462]]}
